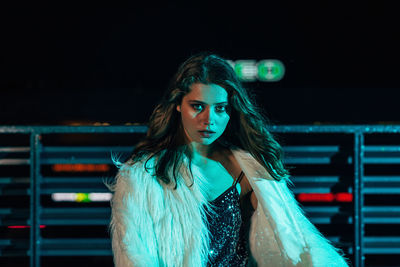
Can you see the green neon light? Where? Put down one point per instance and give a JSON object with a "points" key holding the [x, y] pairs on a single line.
{"points": [[267, 70], [82, 197], [270, 70], [246, 70]]}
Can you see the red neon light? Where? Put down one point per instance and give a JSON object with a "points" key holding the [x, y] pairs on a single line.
{"points": [[81, 167], [316, 197], [344, 197], [23, 226], [325, 197]]}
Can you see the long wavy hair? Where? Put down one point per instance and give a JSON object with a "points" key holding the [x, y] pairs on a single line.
{"points": [[247, 128]]}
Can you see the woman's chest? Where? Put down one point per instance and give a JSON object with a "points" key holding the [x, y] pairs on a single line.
{"points": [[218, 178], [221, 175]]}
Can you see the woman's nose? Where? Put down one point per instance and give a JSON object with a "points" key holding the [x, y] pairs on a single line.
{"points": [[208, 116]]}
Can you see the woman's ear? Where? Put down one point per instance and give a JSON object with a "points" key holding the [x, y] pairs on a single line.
{"points": [[178, 108]]}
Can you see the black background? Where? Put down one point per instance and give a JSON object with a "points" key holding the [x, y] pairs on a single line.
{"points": [[84, 64]]}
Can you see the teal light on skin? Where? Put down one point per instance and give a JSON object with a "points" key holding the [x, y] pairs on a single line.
{"points": [[206, 106]]}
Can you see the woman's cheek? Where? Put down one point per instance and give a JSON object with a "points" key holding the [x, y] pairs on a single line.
{"points": [[227, 117]]}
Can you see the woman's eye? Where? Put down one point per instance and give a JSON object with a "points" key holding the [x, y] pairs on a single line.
{"points": [[197, 107], [221, 108]]}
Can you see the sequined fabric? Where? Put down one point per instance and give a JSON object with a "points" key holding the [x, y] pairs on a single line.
{"points": [[227, 241]]}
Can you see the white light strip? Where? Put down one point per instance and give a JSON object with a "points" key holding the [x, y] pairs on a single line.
{"points": [[73, 197], [100, 196], [63, 197]]}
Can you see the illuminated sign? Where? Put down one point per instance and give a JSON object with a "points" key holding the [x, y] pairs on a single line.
{"points": [[23, 226], [325, 197], [81, 197], [80, 167], [267, 70]]}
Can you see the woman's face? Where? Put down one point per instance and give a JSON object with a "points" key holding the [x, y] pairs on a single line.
{"points": [[205, 113]]}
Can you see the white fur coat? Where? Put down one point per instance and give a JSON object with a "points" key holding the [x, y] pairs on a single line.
{"points": [[154, 225]]}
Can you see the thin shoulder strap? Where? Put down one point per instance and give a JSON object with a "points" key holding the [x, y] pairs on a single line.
{"points": [[239, 178]]}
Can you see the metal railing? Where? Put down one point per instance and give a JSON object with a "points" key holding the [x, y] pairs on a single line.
{"points": [[359, 155]]}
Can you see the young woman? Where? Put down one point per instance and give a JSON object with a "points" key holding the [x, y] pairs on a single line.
{"points": [[207, 187]]}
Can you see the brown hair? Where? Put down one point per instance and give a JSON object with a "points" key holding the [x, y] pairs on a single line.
{"points": [[247, 128]]}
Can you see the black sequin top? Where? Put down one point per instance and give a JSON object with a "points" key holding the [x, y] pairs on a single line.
{"points": [[227, 240]]}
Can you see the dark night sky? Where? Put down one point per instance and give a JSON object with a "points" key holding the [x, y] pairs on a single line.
{"points": [[111, 64]]}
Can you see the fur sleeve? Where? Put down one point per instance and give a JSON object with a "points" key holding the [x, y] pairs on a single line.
{"points": [[132, 226], [297, 238], [280, 233]]}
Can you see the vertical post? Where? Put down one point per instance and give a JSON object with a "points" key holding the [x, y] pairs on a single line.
{"points": [[359, 258], [34, 246]]}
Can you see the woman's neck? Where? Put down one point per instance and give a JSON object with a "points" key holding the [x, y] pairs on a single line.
{"points": [[201, 153]]}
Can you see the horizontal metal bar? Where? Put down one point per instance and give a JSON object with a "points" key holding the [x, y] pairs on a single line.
{"points": [[325, 215], [16, 244], [371, 240], [76, 247], [76, 221], [142, 128], [80, 211], [14, 253], [312, 154], [5, 242], [107, 149], [69, 180], [45, 161], [381, 190], [307, 160], [381, 220], [335, 128], [382, 148], [75, 252], [315, 179], [381, 184], [75, 242], [311, 149], [75, 184], [382, 178], [74, 129], [382, 209], [387, 188], [381, 214], [11, 221], [14, 180], [15, 149], [304, 189], [382, 245], [14, 191], [385, 250], [314, 184], [75, 216], [326, 220], [381, 160], [14, 161], [13, 211], [326, 209]]}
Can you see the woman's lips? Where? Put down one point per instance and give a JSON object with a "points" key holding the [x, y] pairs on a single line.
{"points": [[206, 133]]}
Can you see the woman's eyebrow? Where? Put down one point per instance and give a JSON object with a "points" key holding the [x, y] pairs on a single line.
{"points": [[201, 102]]}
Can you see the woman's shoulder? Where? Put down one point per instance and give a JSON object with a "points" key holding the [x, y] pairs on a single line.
{"points": [[135, 171]]}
